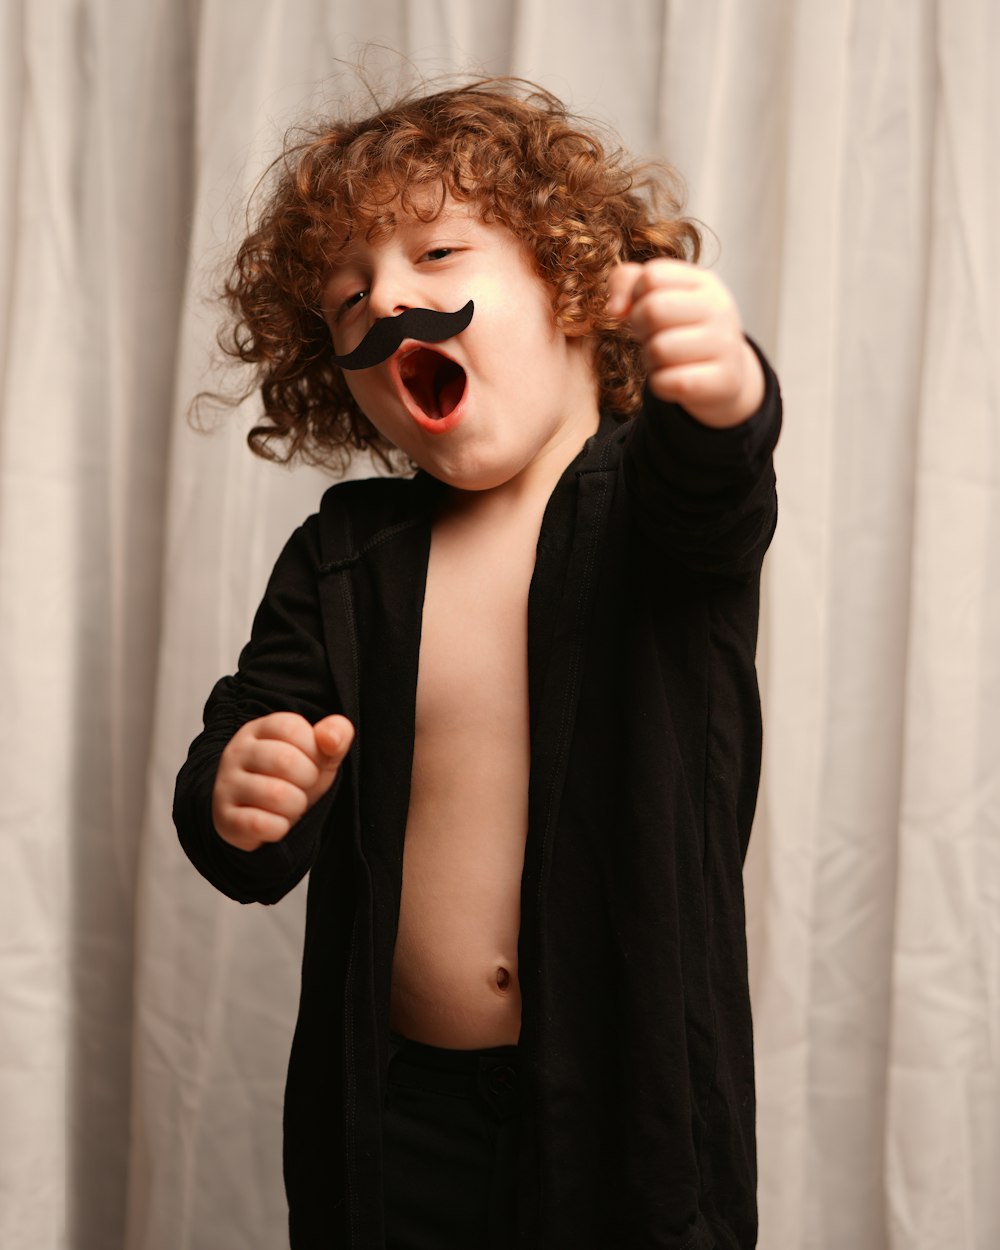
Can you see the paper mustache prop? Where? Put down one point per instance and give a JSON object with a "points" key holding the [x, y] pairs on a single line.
{"points": [[386, 334]]}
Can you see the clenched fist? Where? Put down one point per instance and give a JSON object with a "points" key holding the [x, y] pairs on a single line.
{"points": [[689, 326], [272, 772]]}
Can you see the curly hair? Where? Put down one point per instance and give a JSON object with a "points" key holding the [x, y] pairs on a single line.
{"points": [[506, 146]]}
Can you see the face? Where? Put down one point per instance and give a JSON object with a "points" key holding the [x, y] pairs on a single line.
{"points": [[509, 400]]}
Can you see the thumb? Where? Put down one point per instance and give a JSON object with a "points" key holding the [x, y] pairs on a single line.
{"points": [[334, 735], [621, 284]]}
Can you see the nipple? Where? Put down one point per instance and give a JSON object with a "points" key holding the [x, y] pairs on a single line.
{"points": [[503, 979]]}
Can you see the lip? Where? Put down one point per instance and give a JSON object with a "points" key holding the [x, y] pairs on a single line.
{"points": [[419, 417]]}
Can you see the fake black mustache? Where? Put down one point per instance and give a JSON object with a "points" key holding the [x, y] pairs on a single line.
{"points": [[386, 334]]}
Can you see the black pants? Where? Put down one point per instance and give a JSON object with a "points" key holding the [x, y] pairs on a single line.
{"points": [[449, 1143]]}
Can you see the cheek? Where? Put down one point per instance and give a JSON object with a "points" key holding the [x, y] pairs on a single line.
{"points": [[371, 398], [362, 390], [363, 395], [524, 340], [539, 319], [355, 386]]}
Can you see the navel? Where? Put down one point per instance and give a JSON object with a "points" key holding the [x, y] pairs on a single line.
{"points": [[503, 979]]}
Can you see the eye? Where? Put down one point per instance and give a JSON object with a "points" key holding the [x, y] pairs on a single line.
{"points": [[352, 299], [439, 253]]}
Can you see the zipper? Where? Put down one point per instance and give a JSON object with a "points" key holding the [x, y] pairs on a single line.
{"points": [[348, 649], [342, 569], [590, 512], [571, 689]]}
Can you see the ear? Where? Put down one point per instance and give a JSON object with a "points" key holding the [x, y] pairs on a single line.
{"points": [[570, 327], [584, 343]]}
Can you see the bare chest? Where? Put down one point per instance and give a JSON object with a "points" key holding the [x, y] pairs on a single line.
{"points": [[455, 966], [474, 639]]}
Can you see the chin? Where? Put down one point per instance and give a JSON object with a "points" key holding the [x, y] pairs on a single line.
{"points": [[477, 479], [467, 475]]}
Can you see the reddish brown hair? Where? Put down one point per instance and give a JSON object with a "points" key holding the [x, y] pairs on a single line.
{"points": [[504, 145]]}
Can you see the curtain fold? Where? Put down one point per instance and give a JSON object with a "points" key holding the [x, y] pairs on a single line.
{"points": [[943, 1103], [846, 157]]}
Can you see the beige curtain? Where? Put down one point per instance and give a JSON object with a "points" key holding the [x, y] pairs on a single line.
{"points": [[846, 153]]}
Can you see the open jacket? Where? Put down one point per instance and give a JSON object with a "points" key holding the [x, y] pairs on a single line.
{"points": [[637, 1125]]}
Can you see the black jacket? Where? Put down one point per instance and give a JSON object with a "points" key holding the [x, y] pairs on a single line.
{"points": [[638, 1103]]}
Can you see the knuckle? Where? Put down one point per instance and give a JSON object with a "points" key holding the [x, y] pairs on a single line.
{"points": [[263, 825], [658, 355], [225, 816], [284, 724], [327, 776], [281, 759], [275, 793], [232, 752]]}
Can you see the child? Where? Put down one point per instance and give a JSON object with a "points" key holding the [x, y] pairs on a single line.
{"points": [[504, 711]]}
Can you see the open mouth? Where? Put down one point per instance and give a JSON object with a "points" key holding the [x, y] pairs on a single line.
{"points": [[435, 383]]}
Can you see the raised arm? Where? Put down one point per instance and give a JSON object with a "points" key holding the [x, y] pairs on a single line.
{"points": [[695, 351], [698, 465]]}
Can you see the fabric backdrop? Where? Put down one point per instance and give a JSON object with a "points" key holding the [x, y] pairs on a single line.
{"points": [[846, 154]]}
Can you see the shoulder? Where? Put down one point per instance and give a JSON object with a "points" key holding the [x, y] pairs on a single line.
{"points": [[351, 514]]}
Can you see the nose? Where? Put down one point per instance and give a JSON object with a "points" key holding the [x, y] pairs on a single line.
{"points": [[388, 296]]}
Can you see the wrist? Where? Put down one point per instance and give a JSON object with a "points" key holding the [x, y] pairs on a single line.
{"points": [[747, 400]]}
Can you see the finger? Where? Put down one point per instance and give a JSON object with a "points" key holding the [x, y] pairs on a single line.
{"points": [[691, 344], [700, 387], [286, 727], [621, 281], [333, 736], [664, 307], [630, 280], [267, 794], [272, 758], [249, 827], [667, 273]]}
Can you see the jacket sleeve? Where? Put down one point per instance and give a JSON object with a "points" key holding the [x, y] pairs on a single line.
{"points": [[705, 497], [283, 668]]}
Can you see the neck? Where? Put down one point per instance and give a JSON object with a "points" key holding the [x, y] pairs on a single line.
{"points": [[530, 489]]}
